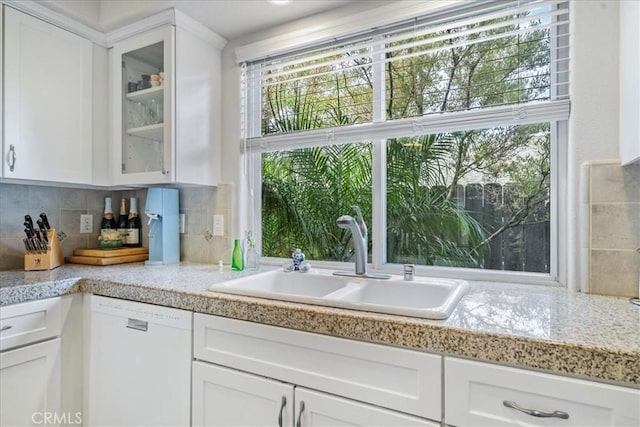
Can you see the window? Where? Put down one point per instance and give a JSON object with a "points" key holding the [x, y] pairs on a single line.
{"points": [[444, 130]]}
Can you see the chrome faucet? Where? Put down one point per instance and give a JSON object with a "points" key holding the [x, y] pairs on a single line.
{"points": [[359, 234]]}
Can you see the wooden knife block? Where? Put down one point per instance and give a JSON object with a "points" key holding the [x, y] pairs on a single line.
{"points": [[54, 257]]}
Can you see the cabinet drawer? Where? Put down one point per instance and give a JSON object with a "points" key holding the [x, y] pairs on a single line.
{"points": [[475, 393], [29, 322], [400, 379]]}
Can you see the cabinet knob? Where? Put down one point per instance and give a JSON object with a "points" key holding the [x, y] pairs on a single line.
{"points": [[12, 157], [535, 412]]}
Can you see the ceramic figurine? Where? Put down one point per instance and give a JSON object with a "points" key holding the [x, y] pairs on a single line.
{"points": [[298, 258]]}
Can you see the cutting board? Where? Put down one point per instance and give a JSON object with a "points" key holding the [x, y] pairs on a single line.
{"points": [[110, 253], [93, 260]]}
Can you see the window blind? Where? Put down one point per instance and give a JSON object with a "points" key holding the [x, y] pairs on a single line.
{"points": [[497, 63]]}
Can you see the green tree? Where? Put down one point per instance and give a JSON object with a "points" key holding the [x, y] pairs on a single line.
{"points": [[305, 190]]}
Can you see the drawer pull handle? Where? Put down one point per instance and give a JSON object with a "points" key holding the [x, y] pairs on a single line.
{"points": [[282, 405], [299, 422], [534, 412], [138, 325], [6, 328]]}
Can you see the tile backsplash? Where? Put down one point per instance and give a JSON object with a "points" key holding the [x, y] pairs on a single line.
{"points": [[65, 205], [614, 230]]}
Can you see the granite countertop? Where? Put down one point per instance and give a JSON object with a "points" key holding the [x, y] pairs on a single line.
{"points": [[541, 327]]}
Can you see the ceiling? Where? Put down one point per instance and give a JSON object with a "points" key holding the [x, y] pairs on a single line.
{"points": [[229, 18]]}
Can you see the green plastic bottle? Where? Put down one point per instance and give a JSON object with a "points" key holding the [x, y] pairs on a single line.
{"points": [[237, 258]]}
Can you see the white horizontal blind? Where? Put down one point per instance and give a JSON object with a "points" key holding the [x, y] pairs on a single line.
{"points": [[500, 63]]}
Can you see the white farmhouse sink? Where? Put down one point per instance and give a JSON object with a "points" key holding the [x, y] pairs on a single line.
{"points": [[429, 298]]}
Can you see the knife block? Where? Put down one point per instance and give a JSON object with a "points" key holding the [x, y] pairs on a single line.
{"points": [[54, 257]]}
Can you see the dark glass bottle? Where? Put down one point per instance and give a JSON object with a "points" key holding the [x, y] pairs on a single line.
{"points": [[108, 221], [122, 220], [134, 225]]}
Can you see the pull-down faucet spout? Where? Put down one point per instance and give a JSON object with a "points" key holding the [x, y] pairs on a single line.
{"points": [[359, 234]]}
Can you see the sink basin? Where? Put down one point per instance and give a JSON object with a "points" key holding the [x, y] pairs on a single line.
{"points": [[430, 298], [280, 285]]}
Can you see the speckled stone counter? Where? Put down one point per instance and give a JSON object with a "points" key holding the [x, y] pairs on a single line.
{"points": [[530, 326]]}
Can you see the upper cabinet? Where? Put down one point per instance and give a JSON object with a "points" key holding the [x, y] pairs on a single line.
{"points": [[47, 102], [629, 82], [143, 137], [166, 105]]}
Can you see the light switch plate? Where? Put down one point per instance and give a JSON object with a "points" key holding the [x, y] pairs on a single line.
{"points": [[218, 225], [182, 222]]}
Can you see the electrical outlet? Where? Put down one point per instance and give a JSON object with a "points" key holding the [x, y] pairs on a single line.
{"points": [[86, 224], [218, 225], [182, 222]]}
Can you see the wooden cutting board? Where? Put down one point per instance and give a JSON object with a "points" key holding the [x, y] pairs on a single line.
{"points": [[91, 260], [110, 253]]}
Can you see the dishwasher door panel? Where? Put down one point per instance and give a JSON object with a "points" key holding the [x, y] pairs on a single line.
{"points": [[139, 364]]}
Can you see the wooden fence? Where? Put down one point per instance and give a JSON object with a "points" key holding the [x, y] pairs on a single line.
{"points": [[521, 248]]}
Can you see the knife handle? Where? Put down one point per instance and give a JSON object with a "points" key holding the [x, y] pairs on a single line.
{"points": [[43, 230], [27, 219], [45, 220]]}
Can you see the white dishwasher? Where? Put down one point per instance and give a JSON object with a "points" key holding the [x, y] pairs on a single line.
{"points": [[139, 370]]}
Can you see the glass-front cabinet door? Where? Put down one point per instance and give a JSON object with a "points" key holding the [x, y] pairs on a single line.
{"points": [[143, 107]]}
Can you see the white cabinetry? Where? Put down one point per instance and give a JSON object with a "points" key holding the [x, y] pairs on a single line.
{"points": [[30, 363], [372, 384], [315, 409], [139, 364], [168, 133], [47, 102], [629, 81], [225, 397], [30, 384], [481, 394]]}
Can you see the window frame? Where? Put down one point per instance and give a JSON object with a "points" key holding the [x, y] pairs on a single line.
{"points": [[377, 228]]}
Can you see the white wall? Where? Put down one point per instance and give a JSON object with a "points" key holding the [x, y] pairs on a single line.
{"points": [[593, 127], [594, 108]]}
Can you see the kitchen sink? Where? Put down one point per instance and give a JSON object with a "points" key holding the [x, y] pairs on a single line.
{"points": [[429, 298], [280, 285]]}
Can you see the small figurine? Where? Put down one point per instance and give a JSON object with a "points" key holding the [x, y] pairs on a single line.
{"points": [[297, 263], [298, 258]]}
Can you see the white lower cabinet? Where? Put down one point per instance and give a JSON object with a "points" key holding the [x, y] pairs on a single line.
{"points": [[30, 363], [314, 409], [226, 397], [326, 381], [482, 394], [30, 385]]}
